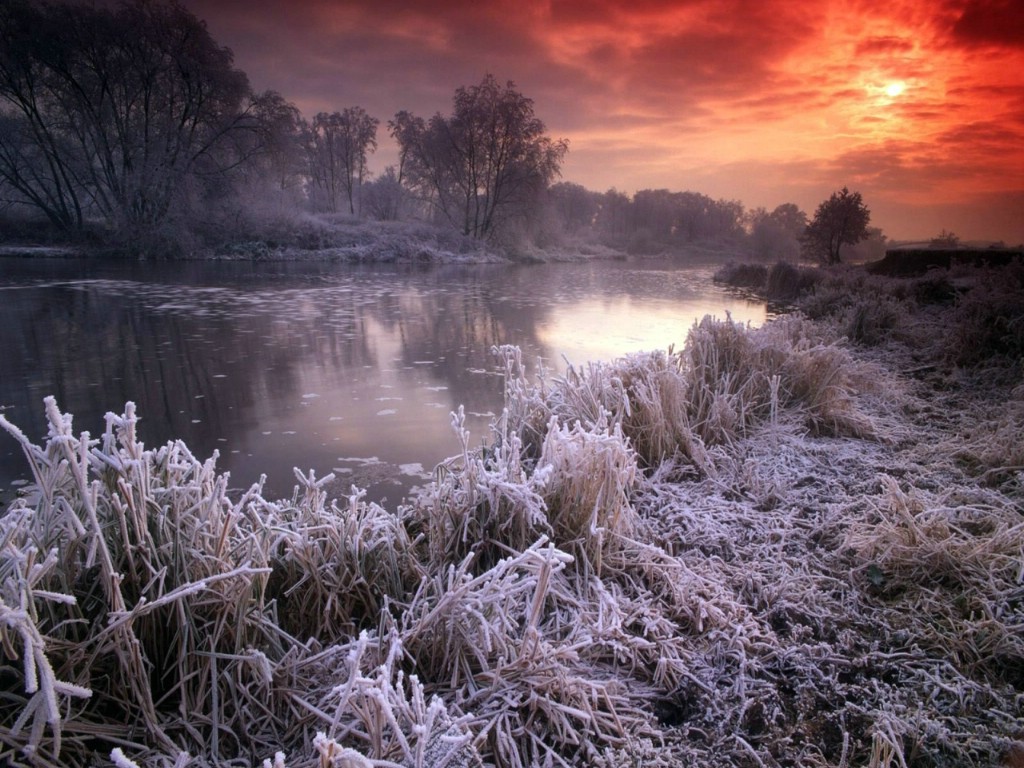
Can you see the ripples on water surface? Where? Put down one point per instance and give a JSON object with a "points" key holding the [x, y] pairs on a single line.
{"points": [[351, 370]]}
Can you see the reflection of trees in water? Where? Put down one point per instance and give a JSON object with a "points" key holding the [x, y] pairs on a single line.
{"points": [[203, 362], [457, 327], [458, 322], [93, 350]]}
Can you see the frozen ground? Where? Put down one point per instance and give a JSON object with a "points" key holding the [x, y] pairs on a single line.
{"points": [[796, 545]]}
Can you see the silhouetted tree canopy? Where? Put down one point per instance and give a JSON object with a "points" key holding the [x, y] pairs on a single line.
{"points": [[657, 218], [573, 206], [776, 235], [116, 113], [841, 220], [485, 164]]}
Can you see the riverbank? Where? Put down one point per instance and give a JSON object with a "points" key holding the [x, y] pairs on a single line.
{"points": [[800, 544], [341, 239], [297, 238]]}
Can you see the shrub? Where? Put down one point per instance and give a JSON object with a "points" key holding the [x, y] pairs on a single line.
{"points": [[988, 322], [872, 320], [751, 276], [786, 282], [935, 288]]}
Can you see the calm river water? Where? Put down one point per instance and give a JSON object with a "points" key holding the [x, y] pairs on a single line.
{"points": [[335, 368]]}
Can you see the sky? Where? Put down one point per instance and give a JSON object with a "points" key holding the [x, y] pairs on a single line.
{"points": [[917, 104]]}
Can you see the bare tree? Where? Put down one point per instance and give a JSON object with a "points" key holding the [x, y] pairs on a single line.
{"points": [[34, 169], [110, 111], [338, 146], [276, 147], [485, 164], [841, 220]]}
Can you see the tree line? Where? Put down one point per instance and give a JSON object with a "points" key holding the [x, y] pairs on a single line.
{"points": [[133, 124], [657, 220], [134, 119]]}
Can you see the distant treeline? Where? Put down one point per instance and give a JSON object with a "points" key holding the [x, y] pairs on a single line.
{"points": [[130, 126]]}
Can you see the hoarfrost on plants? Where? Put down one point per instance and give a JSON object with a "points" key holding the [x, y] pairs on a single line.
{"points": [[761, 548]]}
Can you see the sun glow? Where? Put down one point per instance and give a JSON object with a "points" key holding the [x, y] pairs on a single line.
{"points": [[895, 89]]}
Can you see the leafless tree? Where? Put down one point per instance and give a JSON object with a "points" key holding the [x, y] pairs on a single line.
{"points": [[276, 145], [485, 164], [110, 112], [339, 143]]}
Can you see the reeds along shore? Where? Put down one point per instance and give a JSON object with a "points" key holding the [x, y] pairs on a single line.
{"points": [[796, 545]]}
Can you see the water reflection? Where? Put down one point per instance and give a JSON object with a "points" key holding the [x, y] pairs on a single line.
{"points": [[319, 366]]}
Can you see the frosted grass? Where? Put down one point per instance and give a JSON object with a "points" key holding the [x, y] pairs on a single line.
{"points": [[760, 549]]}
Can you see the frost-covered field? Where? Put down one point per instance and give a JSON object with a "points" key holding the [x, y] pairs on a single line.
{"points": [[796, 545]]}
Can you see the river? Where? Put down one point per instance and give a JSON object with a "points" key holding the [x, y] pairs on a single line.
{"points": [[353, 370]]}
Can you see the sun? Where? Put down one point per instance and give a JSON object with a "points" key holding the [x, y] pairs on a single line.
{"points": [[895, 89]]}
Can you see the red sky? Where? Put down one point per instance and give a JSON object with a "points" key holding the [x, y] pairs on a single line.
{"points": [[917, 104]]}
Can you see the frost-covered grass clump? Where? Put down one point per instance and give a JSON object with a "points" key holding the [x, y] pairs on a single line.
{"points": [[756, 550]]}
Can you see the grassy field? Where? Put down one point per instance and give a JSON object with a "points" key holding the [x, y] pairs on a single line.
{"points": [[796, 545]]}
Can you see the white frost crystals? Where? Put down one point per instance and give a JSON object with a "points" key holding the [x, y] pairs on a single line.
{"points": [[22, 572], [715, 556]]}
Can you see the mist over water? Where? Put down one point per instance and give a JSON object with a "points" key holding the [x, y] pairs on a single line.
{"points": [[351, 370]]}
